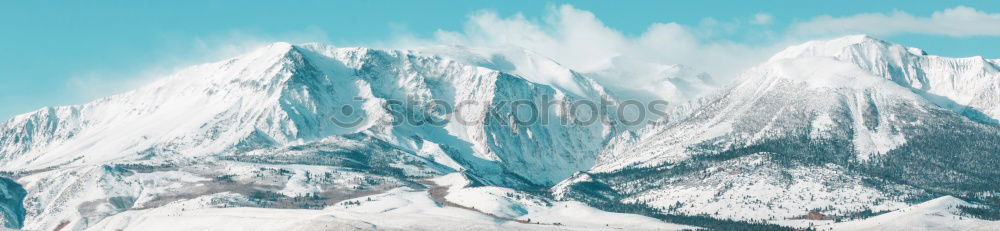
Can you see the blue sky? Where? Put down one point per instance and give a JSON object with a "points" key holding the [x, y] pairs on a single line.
{"points": [[71, 52]]}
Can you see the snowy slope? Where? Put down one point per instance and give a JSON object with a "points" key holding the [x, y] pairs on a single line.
{"points": [[516, 205], [780, 91]]}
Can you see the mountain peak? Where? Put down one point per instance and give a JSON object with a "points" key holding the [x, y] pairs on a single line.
{"points": [[858, 38], [848, 40], [270, 50], [847, 45], [831, 47]]}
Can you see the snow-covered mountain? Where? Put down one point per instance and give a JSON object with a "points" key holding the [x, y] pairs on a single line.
{"points": [[359, 138], [281, 105], [824, 126]]}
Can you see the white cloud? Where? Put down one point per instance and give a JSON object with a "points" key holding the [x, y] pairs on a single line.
{"points": [[573, 37], [762, 19], [579, 40], [959, 21]]}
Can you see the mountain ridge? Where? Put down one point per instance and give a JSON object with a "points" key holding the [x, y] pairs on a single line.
{"points": [[964, 85]]}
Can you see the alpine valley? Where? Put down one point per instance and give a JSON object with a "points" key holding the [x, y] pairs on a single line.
{"points": [[852, 133]]}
